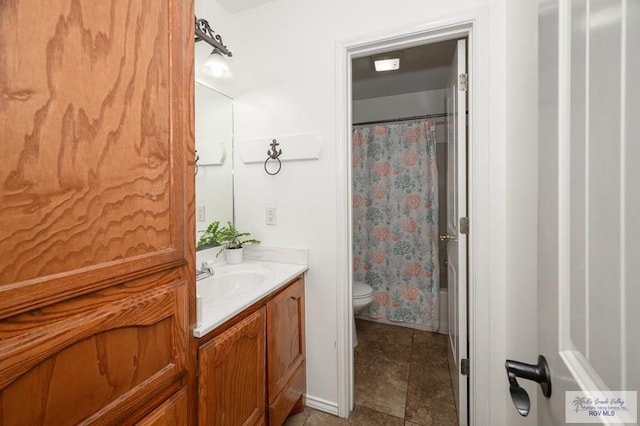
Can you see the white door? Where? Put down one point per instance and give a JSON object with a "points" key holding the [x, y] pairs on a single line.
{"points": [[589, 203], [457, 240]]}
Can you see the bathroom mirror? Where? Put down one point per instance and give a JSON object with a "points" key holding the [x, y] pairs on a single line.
{"points": [[214, 146]]}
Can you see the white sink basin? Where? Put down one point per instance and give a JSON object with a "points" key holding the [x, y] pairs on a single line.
{"points": [[229, 282]]}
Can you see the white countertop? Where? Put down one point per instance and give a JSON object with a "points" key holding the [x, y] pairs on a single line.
{"points": [[219, 303]]}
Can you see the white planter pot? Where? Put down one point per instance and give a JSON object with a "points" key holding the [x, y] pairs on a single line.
{"points": [[233, 256]]}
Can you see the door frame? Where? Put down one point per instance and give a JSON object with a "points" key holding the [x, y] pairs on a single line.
{"points": [[472, 24]]}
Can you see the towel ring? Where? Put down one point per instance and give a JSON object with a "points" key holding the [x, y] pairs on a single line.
{"points": [[279, 166], [273, 154]]}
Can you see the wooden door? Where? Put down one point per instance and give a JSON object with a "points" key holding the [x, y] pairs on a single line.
{"points": [[96, 277], [232, 375], [589, 203], [455, 237]]}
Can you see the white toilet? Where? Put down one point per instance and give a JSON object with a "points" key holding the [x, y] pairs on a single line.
{"points": [[362, 297]]}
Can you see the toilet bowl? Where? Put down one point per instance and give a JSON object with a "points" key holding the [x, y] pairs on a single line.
{"points": [[362, 295]]}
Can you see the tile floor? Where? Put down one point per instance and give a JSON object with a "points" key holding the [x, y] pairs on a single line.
{"points": [[401, 378]]}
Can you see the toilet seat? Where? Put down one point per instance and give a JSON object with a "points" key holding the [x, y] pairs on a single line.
{"points": [[361, 290]]}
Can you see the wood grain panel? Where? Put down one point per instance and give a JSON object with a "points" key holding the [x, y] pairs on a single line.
{"points": [[88, 356], [22, 352], [231, 380], [88, 176], [96, 175], [285, 336], [173, 412]]}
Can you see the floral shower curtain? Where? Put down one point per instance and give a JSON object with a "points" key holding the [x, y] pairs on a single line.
{"points": [[395, 219]]}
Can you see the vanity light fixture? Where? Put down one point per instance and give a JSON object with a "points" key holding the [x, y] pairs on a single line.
{"points": [[215, 65], [387, 62]]}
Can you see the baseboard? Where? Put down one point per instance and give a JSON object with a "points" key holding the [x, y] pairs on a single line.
{"points": [[322, 405]]}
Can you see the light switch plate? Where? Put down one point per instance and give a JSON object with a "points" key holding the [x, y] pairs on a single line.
{"points": [[270, 215], [200, 216]]}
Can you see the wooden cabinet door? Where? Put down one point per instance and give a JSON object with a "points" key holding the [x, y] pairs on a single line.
{"points": [[96, 277], [285, 336], [173, 412], [232, 375], [286, 352]]}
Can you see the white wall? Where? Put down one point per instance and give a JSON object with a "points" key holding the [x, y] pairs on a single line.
{"points": [[399, 106], [285, 83]]}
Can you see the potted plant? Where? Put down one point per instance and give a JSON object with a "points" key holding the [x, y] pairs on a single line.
{"points": [[211, 237], [232, 241]]}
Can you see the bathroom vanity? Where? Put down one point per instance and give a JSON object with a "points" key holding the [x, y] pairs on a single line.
{"points": [[249, 334], [251, 344]]}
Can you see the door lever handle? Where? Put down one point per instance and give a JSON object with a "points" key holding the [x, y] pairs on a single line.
{"points": [[537, 372], [447, 238]]}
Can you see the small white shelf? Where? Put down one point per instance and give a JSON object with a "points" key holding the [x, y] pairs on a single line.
{"points": [[294, 147]]}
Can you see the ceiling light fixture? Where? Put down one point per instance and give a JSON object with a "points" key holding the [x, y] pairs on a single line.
{"points": [[387, 64], [389, 61], [215, 65]]}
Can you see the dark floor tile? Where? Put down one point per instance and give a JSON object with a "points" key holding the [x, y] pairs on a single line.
{"points": [[430, 394], [439, 418], [424, 408], [381, 384], [363, 416], [430, 346], [311, 417], [384, 340], [401, 378]]}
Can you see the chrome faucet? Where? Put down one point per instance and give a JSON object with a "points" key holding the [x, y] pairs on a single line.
{"points": [[205, 271]]}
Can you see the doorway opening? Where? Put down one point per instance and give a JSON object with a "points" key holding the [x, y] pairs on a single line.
{"points": [[351, 55], [404, 221], [399, 153]]}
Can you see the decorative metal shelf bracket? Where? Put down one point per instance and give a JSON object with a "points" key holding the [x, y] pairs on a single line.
{"points": [[205, 33]]}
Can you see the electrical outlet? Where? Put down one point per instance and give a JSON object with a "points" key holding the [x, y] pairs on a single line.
{"points": [[200, 217], [270, 215]]}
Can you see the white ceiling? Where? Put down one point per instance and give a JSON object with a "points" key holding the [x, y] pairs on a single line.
{"points": [[422, 68]]}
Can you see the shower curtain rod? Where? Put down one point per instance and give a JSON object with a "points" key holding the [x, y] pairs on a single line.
{"points": [[415, 117]]}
